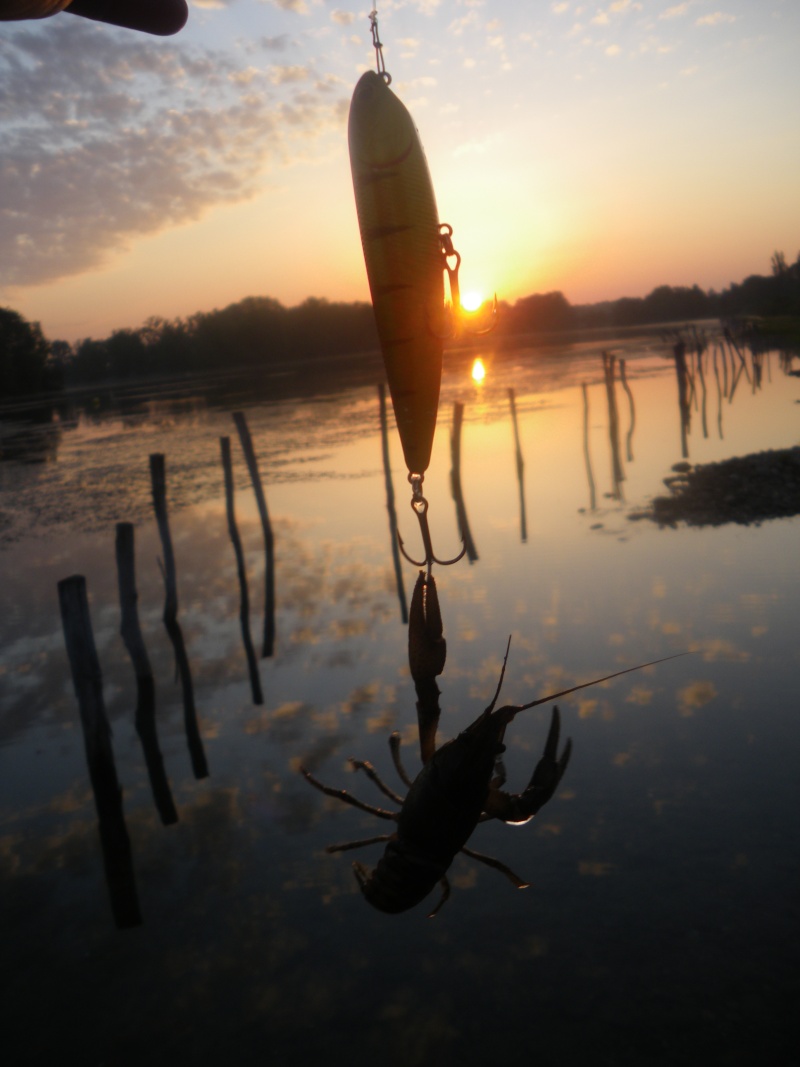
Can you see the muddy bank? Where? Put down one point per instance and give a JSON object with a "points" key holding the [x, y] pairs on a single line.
{"points": [[744, 489]]}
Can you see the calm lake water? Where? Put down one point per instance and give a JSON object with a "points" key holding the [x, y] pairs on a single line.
{"points": [[662, 923]]}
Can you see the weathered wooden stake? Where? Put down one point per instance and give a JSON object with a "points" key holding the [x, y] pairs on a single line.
{"points": [[679, 353], [88, 682], [244, 600], [586, 453], [632, 409], [159, 484], [390, 505], [520, 462], [145, 684], [455, 482], [617, 471], [268, 646]]}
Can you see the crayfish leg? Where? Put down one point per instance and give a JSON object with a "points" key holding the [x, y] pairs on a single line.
{"points": [[345, 846], [498, 865], [348, 798], [394, 747], [372, 774], [444, 883]]}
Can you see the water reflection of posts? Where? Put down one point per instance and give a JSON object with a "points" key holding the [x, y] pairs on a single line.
{"points": [[145, 684], [719, 393], [427, 651], [679, 353], [390, 507], [246, 440], [736, 374], [244, 600], [455, 482], [631, 410], [703, 399], [617, 472], [170, 617], [88, 682], [586, 455], [520, 462]]}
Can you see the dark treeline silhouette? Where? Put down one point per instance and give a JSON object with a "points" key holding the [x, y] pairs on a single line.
{"points": [[260, 332]]}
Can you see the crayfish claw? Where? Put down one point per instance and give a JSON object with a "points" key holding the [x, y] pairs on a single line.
{"points": [[427, 648], [518, 808], [550, 769]]}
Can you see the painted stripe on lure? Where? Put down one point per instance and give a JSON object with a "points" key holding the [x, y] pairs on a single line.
{"points": [[399, 227]]}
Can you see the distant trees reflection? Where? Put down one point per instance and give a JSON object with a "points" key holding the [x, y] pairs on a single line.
{"points": [[260, 332]]}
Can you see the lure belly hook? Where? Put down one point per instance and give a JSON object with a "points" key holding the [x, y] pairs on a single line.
{"points": [[419, 506]]}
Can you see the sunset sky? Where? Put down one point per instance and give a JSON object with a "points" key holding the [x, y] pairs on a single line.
{"points": [[597, 149]]}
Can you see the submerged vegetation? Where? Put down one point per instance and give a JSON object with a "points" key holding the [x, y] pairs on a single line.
{"points": [[260, 332]]}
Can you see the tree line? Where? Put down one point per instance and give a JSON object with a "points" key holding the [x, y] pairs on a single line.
{"points": [[260, 332]]}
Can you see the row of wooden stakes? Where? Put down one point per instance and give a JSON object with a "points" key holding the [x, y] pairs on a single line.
{"points": [[88, 682]]}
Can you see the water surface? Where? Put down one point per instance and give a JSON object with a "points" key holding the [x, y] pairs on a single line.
{"points": [[662, 921]]}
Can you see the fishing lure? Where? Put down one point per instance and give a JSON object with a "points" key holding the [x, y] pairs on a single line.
{"points": [[406, 253], [399, 228]]}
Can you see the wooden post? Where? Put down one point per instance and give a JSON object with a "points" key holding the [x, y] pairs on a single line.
{"points": [[390, 505], [617, 472], [586, 453], [88, 682], [631, 408], [520, 463], [268, 646], [145, 684], [455, 482], [679, 353], [244, 600], [159, 484]]}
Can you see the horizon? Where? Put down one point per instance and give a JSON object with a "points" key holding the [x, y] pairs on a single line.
{"points": [[366, 302], [595, 151]]}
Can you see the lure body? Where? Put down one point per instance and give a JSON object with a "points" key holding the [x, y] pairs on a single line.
{"points": [[399, 227]]}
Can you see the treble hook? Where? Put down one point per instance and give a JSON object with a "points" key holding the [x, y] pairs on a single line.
{"points": [[419, 506], [449, 253]]}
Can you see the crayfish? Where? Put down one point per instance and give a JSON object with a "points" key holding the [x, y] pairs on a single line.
{"points": [[452, 793], [459, 786]]}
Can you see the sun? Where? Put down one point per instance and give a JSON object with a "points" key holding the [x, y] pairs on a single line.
{"points": [[471, 300], [478, 370]]}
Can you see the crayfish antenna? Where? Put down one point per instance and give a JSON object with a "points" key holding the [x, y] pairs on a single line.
{"points": [[596, 681], [490, 709]]}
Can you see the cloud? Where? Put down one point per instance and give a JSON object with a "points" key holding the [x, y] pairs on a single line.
{"points": [[457, 26], [298, 6], [275, 44], [106, 138], [715, 19], [695, 696], [282, 75], [343, 18], [674, 12]]}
